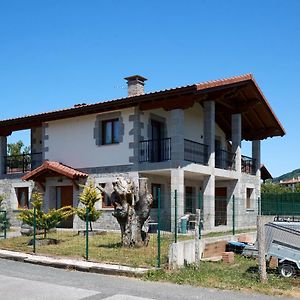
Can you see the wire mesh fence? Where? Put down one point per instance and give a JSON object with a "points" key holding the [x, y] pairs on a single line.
{"points": [[172, 219], [281, 206]]}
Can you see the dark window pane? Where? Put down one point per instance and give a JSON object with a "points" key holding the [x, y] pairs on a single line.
{"points": [[116, 133], [155, 188], [189, 201]]}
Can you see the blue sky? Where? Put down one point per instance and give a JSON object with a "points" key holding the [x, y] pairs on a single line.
{"points": [[56, 53]]}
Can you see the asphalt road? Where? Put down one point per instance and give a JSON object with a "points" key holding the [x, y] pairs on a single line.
{"points": [[26, 281]]}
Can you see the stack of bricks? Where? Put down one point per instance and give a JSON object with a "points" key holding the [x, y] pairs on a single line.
{"points": [[214, 249], [245, 238], [273, 262], [228, 257]]}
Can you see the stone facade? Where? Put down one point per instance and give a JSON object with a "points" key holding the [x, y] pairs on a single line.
{"points": [[9, 188]]}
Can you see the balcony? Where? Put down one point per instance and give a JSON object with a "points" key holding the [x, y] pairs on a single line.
{"points": [[155, 150], [160, 150], [248, 165], [22, 163], [195, 152], [225, 160]]}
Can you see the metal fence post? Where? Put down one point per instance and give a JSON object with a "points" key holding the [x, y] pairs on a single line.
{"points": [[34, 229], [175, 216], [197, 234], [87, 233], [233, 215], [158, 227], [200, 207]]}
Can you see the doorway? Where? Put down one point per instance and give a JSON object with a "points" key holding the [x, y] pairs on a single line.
{"points": [[64, 197], [221, 206], [157, 133]]}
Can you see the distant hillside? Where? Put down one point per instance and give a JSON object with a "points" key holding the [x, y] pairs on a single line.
{"points": [[290, 175]]}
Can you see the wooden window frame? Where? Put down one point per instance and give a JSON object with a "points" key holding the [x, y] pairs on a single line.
{"points": [[103, 125], [26, 206], [249, 198], [104, 196]]}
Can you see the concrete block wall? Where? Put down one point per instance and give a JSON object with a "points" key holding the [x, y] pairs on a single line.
{"points": [[182, 253]]}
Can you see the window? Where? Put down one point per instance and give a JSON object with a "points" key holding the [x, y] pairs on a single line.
{"points": [[155, 188], [110, 132], [22, 196], [249, 204], [106, 200]]}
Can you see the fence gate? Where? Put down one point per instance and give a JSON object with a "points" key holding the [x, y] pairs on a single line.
{"points": [[3, 224]]}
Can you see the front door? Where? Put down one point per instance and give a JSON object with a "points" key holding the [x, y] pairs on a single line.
{"points": [[157, 129], [220, 206], [64, 197], [189, 203]]}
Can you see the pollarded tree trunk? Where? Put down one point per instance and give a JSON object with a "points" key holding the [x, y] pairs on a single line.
{"points": [[131, 209]]}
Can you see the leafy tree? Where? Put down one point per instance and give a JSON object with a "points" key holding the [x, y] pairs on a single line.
{"points": [[17, 148], [15, 151], [89, 196], [274, 188], [44, 221]]}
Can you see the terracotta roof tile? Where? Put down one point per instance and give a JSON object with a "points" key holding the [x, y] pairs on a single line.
{"points": [[198, 86], [269, 128], [56, 167]]}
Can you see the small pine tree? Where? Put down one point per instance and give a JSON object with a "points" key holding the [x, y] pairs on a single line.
{"points": [[89, 196], [4, 221], [44, 221]]}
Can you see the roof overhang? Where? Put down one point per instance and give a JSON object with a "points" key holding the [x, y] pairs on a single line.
{"points": [[53, 169], [239, 94]]}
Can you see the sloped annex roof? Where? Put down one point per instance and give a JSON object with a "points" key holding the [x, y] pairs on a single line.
{"points": [[265, 173], [54, 168], [238, 94]]}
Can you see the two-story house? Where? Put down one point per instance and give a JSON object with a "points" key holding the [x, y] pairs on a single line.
{"points": [[186, 139]]}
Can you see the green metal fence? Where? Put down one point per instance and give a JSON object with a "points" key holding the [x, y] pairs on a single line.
{"points": [[281, 205], [173, 219], [226, 214]]}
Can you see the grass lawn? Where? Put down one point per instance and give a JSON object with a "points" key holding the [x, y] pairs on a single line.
{"points": [[102, 248], [242, 275]]}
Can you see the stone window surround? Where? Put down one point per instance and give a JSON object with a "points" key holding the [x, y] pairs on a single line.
{"points": [[98, 127], [105, 207], [252, 198], [160, 119]]}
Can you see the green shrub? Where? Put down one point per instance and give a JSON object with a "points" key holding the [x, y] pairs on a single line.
{"points": [[44, 221]]}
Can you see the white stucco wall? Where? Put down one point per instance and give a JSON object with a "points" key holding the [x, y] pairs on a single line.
{"points": [[193, 123], [71, 141]]}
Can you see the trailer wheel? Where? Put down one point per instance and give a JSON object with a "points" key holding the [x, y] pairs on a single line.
{"points": [[287, 270]]}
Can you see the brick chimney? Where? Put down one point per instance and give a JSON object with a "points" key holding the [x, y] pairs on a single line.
{"points": [[135, 85]]}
